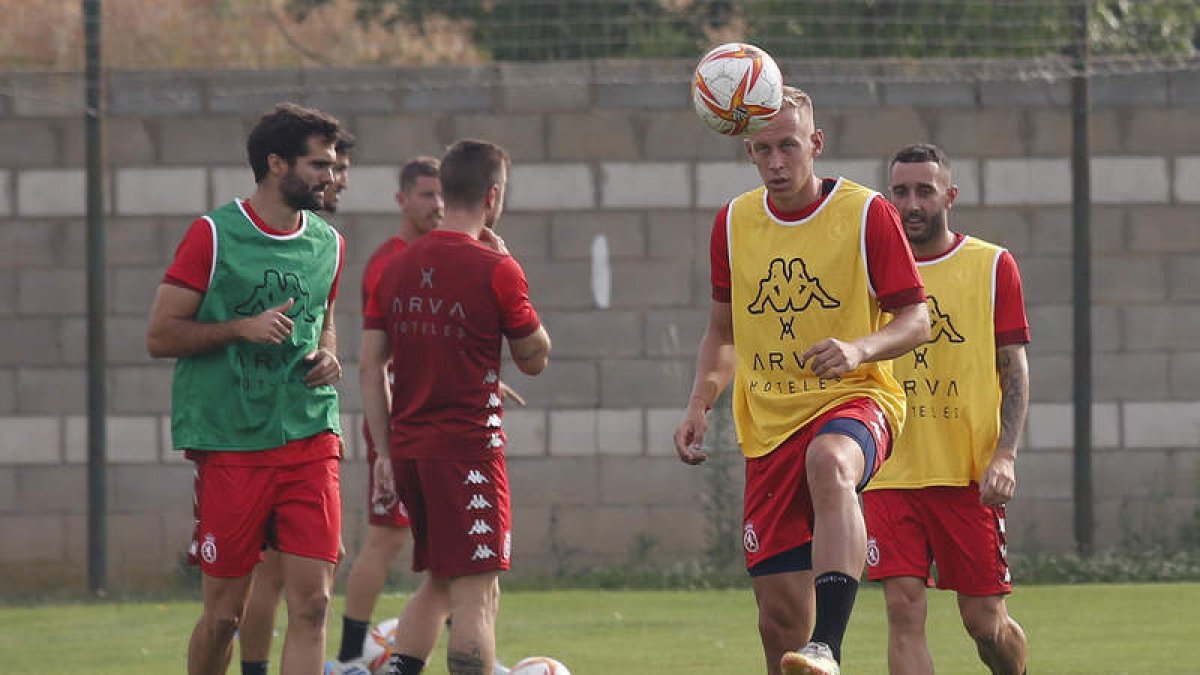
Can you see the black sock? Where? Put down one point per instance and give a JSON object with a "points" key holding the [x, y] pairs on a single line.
{"points": [[835, 601], [254, 667], [403, 664], [354, 633]]}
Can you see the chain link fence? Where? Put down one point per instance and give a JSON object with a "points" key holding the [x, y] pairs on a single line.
{"points": [[839, 40]]}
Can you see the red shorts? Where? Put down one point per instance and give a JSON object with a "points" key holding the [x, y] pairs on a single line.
{"points": [[242, 504], [461, 514], [778, 513], [382, 515], [910, 530]]}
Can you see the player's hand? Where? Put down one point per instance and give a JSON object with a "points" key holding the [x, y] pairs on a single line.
{"points": [[689, 437], [508, 393], [999, 481], [494, 241], [832, 357], [323, 368], [270, 327], [384, 493]]}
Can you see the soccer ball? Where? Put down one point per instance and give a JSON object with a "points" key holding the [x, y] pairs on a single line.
{"points": [[737, 89], [378, 646], [539, 665]]}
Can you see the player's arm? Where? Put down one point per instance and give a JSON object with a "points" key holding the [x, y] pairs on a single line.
{"points": [[531, 353], [908, 328], [324, 367], [528, 340], [716, 363], [372, 372], [173, 332], [999, 480], [1013, 367], [893, 274], [372, 375]]}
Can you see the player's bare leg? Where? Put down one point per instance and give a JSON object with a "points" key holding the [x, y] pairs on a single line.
{"points": [[369, 573], [998, 637], [258, 620], [306, 584], [421, 621], [474, 603], [835, 466], [785, 613], [907, 609], [211, 644]]}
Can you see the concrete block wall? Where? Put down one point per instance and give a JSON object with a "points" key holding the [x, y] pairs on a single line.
{"points": [[612, 194]]}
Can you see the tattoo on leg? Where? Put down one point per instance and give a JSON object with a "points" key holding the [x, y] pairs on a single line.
{"points": [[464, 663]]}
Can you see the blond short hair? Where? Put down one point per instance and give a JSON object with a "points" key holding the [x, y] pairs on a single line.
{"points": [[796, 97]]}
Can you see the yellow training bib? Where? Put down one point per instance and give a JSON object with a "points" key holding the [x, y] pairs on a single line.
{"points": [[795, 283], [951, 383]]}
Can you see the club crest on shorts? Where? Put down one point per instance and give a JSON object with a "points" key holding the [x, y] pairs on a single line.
{"points": [[872, 552], [749, 538], [208, 550]]}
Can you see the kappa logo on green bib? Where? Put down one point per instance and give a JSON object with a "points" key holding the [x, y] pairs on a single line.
{"points": [[275, 290]]}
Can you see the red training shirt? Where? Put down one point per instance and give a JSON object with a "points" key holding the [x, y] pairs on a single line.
{"points": [[445, 303]]}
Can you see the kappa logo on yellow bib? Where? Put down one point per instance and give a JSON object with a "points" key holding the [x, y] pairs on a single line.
{"points": [[789, 287], [940, 325]]}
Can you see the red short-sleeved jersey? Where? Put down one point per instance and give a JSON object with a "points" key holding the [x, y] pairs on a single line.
{"points": [[446, 302], [893, 275], [193, 263], [376, 264]]}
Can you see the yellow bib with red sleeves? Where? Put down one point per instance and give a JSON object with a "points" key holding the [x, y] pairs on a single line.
{"points": [[951, 382], [793, 285]]}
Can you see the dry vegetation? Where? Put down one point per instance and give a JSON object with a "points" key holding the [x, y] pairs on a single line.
{"points": [[213, 34]]}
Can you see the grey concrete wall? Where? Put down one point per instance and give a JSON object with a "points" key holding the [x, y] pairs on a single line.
{"points": [[604, 152]]}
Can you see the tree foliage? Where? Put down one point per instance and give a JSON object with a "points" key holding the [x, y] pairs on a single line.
{"points": [[529, 30]]}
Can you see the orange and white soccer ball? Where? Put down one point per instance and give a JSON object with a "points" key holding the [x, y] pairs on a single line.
{"points": [[737, 89], [378, 646], [539, 665]]}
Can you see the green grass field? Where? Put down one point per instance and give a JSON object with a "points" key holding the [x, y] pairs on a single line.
{"points": [[1086, 629]]}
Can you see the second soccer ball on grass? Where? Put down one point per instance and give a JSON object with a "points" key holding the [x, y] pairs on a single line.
{"points": [[539, 665]]}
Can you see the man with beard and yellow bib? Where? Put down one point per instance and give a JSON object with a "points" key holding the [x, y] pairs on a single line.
{"points": [[940, 498]]}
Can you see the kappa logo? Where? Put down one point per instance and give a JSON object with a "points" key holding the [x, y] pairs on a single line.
{"points": [[788, 287], [491, 377], [475, 477], [275, 290], [480, 527], [483, 552], [493, 401], [493, 421], [940, 324], [495, 441], [478, 503], [427, 277]]}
